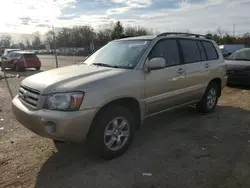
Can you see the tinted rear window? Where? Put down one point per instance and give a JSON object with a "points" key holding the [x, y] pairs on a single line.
{"points": [[191, 51], [210, 50], [27, 56]]}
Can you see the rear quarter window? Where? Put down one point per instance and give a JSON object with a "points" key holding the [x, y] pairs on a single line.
{"points": [[210, 50], [202, 51]]}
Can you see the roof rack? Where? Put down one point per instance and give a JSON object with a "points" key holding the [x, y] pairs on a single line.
{"points": [[183, 34]]}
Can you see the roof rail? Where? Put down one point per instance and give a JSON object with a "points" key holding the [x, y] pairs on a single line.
{"points": [[184, 34]]}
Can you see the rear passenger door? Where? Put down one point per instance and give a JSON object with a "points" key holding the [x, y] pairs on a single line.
{"points": [[213, 62], [197, 72], [164, 87]]}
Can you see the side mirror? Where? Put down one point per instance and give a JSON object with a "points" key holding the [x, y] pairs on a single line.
{"points": [[155, 64]]}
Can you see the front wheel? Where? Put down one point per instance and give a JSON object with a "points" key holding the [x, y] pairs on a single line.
{"points": [[38, 68], [112, 132], [210, 98]]}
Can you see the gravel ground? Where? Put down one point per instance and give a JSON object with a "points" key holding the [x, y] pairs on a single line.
{"points": [[180, 149]]}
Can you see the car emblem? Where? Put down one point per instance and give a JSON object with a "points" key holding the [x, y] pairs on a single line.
{"points": [[25, 94]]}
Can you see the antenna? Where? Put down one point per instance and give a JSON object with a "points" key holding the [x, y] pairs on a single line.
{"points": [[234, 29]]}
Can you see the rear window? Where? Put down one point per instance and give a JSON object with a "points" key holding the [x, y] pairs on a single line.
{"points": [[210, 50], [28, 56]]}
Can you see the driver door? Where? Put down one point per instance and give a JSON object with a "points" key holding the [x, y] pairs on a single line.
{"points": [[165, 87]]}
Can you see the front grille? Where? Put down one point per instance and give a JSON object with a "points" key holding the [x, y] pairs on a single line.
{"points": [[28, 95]]}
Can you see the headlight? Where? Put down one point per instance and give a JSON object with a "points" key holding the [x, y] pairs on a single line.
{"points": [[64, 101]]}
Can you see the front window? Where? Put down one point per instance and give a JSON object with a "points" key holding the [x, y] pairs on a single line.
{"points": [[241, 55], [119, 54]]}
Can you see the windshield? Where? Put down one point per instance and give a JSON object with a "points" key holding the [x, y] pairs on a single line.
{"points": [[243, 55], [119, 54]]}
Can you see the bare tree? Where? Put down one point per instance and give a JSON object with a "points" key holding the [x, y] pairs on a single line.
{"points": [[118, 31], [36, 40], [246, 38], [136, 31], [221, 32], [26, 40], [103, 37], [49, 38], [5, 40]]}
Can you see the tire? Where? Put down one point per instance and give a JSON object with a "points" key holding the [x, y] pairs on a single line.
{"points": [[210, 99], [100, 143], [18, 69], [38, 68]]}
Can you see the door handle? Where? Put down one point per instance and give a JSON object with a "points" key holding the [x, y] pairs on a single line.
{"points": [[207, 65], [180, 71]]}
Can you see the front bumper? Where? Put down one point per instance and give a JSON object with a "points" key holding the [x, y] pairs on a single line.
{"points": [[57, 125]]}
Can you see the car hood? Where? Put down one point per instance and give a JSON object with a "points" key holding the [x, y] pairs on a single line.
{"points": [[237, 64], [69, 78]]}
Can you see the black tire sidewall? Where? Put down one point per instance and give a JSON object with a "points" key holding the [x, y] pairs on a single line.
{"points": [[17, 68], [202, 105], [97, 133]]}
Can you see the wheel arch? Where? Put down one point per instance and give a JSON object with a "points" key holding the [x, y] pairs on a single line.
{"points": [[128, 102], [218, 82]]}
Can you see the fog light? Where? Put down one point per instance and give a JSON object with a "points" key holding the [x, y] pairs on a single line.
{"points": [[50, 127]]}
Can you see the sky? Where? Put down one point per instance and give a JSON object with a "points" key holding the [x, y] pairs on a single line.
{"points": [[199, 16]]}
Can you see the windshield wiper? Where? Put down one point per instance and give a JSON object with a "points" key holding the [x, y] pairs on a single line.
{"points": [[105, 65]]}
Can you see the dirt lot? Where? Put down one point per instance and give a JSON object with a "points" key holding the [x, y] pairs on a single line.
{"points": [[180, 149]]}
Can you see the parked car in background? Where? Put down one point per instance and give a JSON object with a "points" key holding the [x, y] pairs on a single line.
{"points": [[41, 51], [238, 67], [107, 97], [7, 51], [228, 49], [19, 60], [53, 51]]}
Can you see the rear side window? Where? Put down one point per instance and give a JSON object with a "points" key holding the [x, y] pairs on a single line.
{"points": [[191, 51], [202, 51], [168, 49], [210, 50], [28, 56]]}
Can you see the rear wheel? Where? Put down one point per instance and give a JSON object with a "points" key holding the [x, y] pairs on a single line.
{"points": [[38, 68], [112, 132], [210, 98], [18, 68]]}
